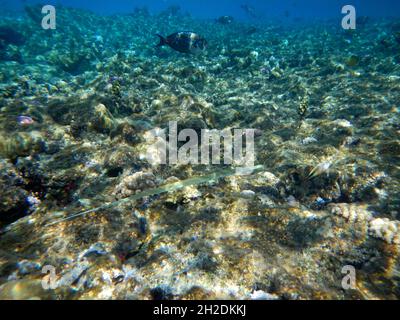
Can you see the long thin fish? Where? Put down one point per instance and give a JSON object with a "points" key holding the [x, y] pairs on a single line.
{"points": [[211, 178]]}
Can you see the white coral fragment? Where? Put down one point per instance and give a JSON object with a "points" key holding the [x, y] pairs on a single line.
{"points": [[385, 229]]}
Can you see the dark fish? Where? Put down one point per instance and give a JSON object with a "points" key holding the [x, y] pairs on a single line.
{"points": [[250, 11], [224, 20], [185, 42]]}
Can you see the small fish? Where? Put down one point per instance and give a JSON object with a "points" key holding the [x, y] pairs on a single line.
{"points": [[25, 120], [250, 11], [185, 42], [251, 30], [224, 20]]}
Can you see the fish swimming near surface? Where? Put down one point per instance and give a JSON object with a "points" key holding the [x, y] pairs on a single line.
{"points": [[185, 42]]}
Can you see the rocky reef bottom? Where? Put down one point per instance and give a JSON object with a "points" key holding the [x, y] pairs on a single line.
{"points": [[76, 106]]}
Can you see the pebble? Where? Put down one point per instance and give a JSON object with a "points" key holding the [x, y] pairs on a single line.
{"points": [[247, 194]]}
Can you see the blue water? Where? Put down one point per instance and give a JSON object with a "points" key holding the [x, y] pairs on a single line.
{"points": [[82, 189], [306, 9]]}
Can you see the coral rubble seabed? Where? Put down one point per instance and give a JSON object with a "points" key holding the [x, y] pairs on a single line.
{"points": [[324, 101]]}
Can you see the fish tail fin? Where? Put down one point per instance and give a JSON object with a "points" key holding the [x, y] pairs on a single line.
{"points": [[163, 41]]}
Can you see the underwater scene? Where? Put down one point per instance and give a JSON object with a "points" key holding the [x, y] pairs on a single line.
{"points": [[200, 150]]}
